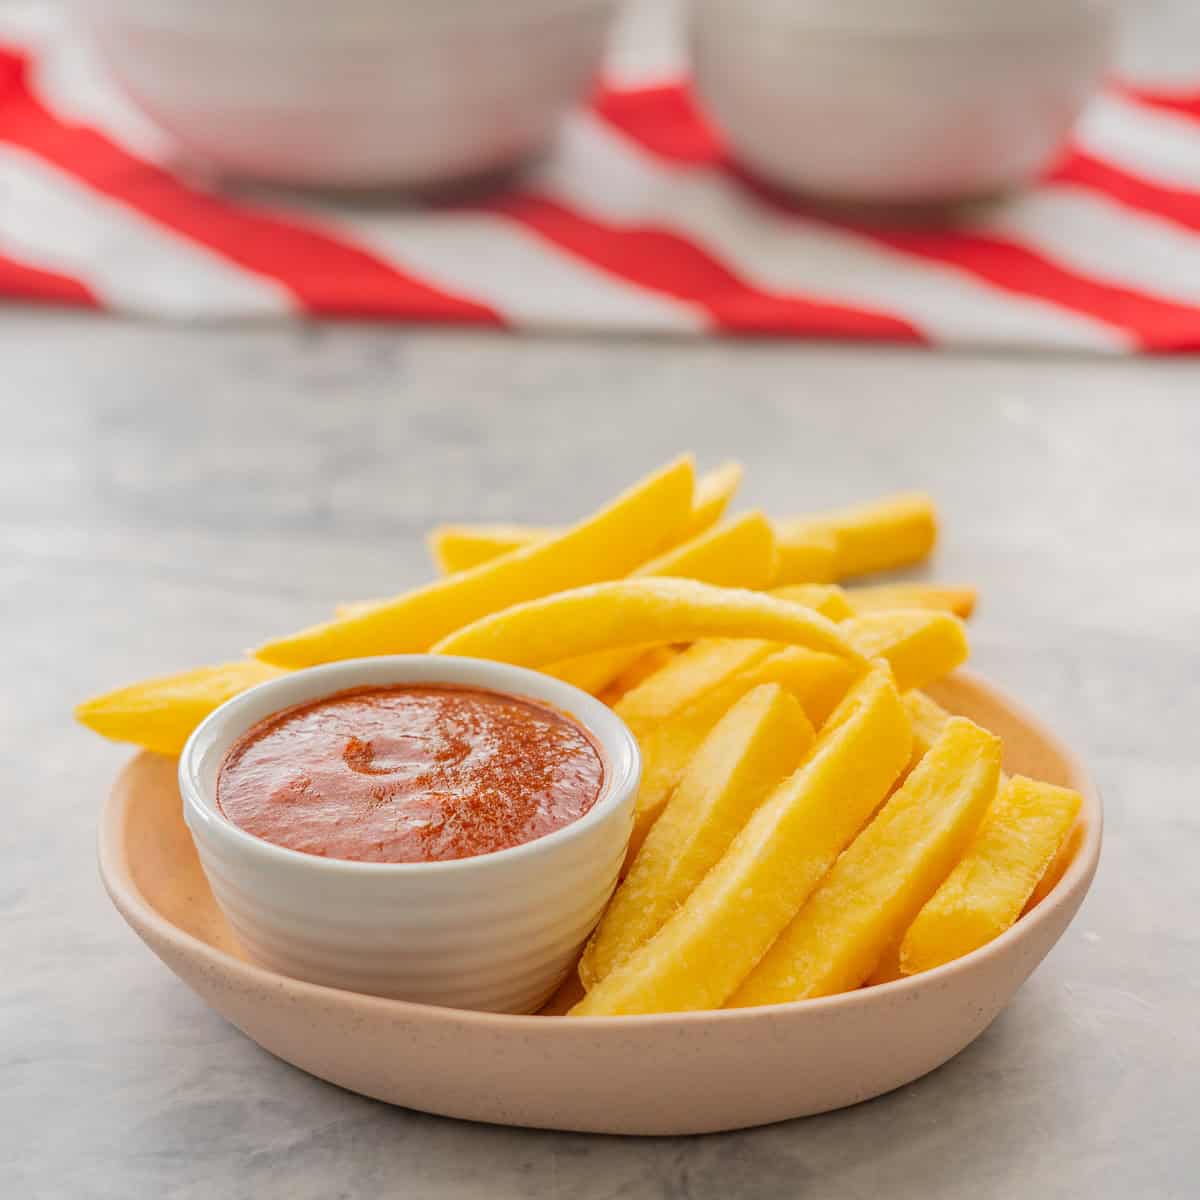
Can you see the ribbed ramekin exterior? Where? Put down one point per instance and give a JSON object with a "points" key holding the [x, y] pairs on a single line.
{"points": [[501, 941]]}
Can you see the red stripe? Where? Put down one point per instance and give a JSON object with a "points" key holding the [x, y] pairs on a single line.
{"points": [[21, 282], [1175, 204], [665, 262], [1185, 104], [665, 120], [327, 275]]}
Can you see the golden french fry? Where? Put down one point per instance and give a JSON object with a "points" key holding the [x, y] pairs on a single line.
{"points": [[751, 748], [920, 644], [608, 544], [701, 955], [928, 721], [636, 612], [714, 490], [1063, 857], [691, 674], [666, 754], [894, 531], [160, 714], [958, 600], [827, 598], [818, 681], [594, 672], [460, 547], [648, 663], [738, 553], [888, 872], [986, 892], [706, 664], [886, 969], [806, 555]]}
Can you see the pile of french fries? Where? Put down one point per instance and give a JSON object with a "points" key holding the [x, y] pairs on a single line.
{"points": [[809, 820]]}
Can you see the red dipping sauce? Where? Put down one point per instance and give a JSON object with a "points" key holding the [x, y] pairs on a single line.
{"points": [[410, 774]]}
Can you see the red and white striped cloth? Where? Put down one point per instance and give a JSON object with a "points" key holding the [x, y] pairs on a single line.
{"points": [[639, 221]]}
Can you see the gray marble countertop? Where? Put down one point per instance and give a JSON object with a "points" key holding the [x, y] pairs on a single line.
{"points": [[168, 497]]}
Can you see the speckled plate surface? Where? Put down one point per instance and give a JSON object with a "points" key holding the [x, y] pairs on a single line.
{"points": [[668, 1074]]}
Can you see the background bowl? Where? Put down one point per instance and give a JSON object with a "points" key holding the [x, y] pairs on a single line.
{"points": [[361, 93], [662, 1074], [920, 102], [495, 932]]}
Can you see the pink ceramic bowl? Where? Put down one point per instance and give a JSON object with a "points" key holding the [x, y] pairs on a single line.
{"points": [[663, 1074]]}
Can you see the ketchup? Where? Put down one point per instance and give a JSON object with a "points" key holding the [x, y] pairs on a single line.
{"points": [[410, 774]]}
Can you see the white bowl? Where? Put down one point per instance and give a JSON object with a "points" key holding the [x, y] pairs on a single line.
{"points": [[898, 103], [497, 932], [363, 93]]}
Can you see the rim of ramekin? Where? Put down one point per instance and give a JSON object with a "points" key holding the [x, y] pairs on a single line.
{"points": [[224, 725]]}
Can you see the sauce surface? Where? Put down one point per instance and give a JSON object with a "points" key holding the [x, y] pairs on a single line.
{"points": [[410, 774]]}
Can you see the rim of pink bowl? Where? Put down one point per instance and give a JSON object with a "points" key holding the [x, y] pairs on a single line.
{"points": [[128, 899]]}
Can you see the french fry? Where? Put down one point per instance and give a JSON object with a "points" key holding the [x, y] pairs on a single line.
{"points": [[606, 545], [160, 714], [827, 598], [594, 672], [648, 663], [928, 721], [806, 555], [738, 553], [460, 547], [761, 739], [958, 600], [887, 969], [637, 612], [818, 681], [889, 871], [921, 645], [691, 674], [1063, 857], [714, 490], [894, 531], [706, 664], [986, 892], [703, 952], [354, 608]]}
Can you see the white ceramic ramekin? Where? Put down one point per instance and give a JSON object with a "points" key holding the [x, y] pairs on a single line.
{"points": [[879, 102], [361, 93], [497, 932]]}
